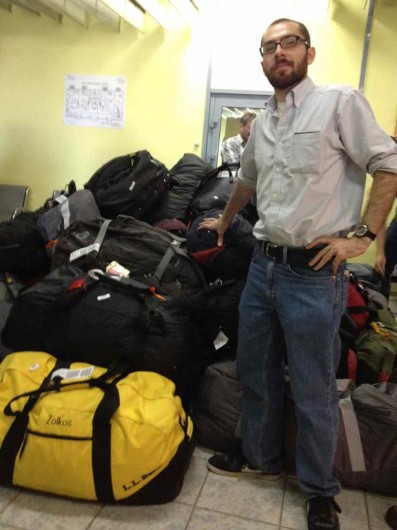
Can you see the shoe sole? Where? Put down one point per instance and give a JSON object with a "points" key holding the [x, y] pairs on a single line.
{"points": [[243, 473]]}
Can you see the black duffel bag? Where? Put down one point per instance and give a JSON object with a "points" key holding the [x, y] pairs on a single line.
{"points": [[101, 319], [129, 185], [148, 252]]}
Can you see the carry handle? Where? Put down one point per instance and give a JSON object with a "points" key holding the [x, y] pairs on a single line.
{"points": [[116, 371], [128, 284]]}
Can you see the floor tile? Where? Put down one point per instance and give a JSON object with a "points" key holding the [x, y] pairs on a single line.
{"points": [[31, 511], [6, 496], [354, 510], [377, 507], [294, 507], [253, 498], [194, 479], [203, 452], [171, 516], [206, 520]]}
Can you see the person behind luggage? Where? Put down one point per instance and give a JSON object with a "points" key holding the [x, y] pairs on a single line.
{"points": [[308, 167], [233, 147], [386, 253]]}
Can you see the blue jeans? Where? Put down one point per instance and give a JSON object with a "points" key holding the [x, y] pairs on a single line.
{"points": [[391, 257], [292, 314]]}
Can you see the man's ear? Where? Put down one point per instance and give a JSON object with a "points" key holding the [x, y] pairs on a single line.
{"points": [[311, 54]]}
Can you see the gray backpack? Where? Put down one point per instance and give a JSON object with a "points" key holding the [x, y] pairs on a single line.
{"points": [[80, 206]]}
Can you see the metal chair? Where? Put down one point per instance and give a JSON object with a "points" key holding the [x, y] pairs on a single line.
{"points": [[12, 200]]}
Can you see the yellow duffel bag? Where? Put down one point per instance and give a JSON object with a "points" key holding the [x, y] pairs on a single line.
{"points": [[86, 432]]}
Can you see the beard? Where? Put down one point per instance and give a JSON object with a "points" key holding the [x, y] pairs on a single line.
{"points": [[283, 79]]}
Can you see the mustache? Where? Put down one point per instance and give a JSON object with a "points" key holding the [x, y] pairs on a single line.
{"points": [[281, 61]]}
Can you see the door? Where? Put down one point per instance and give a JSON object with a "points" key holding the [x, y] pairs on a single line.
{"points": [[222, 107]]}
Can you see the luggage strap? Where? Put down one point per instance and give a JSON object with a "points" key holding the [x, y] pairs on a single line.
{"points": [[95, 246], [15, 436], [65, 210], [166, 259], [353, 437]]}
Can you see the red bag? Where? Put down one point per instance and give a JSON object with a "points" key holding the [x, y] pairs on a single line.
{"points": [[357, 303]]}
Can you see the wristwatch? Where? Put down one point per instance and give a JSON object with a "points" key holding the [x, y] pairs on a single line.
{"points": [[363, 231]]}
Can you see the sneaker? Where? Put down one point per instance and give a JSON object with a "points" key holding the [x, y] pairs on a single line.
{"points": [[322, 514], [391, 517], [236, 466]]}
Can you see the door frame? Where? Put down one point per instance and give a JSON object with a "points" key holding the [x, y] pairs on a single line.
{"points": [[217, 99]]}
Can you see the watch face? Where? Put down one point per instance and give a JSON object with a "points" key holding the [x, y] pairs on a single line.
{"points": [[361, 230]]}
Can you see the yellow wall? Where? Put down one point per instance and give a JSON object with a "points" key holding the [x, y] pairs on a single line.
{"points": [[166, 88]]}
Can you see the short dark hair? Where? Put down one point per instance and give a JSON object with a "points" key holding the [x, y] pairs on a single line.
{"points": [[302, 28]]}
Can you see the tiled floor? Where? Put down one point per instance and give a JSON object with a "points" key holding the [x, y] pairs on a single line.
{"points": [[206, 502]]}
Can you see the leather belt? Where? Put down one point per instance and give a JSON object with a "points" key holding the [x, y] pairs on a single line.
{"points": [[298, 257]]}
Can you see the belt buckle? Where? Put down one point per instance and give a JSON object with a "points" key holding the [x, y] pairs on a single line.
{"points": [[270, 245], [284, 256]]}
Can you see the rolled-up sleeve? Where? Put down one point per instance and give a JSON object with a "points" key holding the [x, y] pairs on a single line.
{"points": [[367, 144]]}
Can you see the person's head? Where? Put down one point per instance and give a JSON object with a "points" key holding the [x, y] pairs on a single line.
{"points": [[245, 124], [286, 53]]}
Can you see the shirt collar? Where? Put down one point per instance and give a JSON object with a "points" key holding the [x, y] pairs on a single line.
{"points": [[298, 94], [300, 91], [240, 139]]}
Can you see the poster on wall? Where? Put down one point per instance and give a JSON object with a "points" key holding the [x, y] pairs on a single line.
{"points": [[95, 100]]}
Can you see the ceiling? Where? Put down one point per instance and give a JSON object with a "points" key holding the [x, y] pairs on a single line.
{"points": [[169, 14]]}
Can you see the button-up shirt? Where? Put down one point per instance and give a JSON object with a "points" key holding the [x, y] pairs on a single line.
{"points": [[232, 149], [309, 164]]}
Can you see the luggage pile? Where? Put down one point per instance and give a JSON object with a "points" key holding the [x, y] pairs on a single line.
{"points": [[119, 329], [109, 319]]}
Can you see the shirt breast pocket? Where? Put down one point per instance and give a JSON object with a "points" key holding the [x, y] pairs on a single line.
{"points": [[304, 156]]}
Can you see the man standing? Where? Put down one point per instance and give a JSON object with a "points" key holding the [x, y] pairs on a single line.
{"points": [[233, 147], [306, 159]]}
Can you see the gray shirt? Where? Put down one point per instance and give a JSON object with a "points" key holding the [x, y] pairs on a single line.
{"points": [[309, 165]]}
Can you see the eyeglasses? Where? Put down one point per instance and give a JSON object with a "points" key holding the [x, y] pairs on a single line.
{"points": [[286, 42]]}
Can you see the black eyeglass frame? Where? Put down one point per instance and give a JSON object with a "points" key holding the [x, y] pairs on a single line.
{"points": [[297, 37]]}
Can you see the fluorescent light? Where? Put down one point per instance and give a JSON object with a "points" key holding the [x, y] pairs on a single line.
{"points": [[186, 9], [157, 11], [42, 7], [77, 13], [101, 11], [127, 10]]}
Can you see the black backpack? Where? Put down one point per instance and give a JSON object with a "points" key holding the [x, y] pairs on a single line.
{"points": [[233, 258], [213, 191], [186, 176], [130, 185], [22, 247]]}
